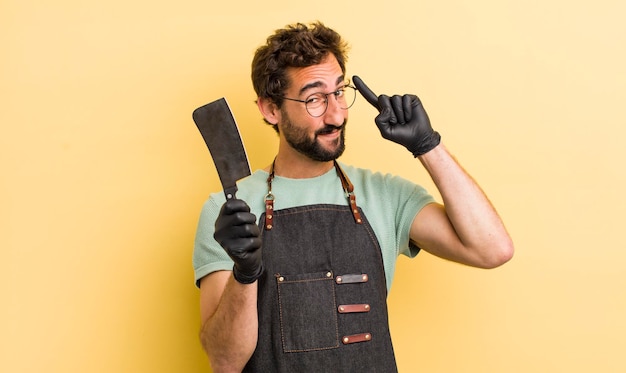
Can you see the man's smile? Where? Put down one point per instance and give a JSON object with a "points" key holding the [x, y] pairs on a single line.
{"points": [[329, 132]]}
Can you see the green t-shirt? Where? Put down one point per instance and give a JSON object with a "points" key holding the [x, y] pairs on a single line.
{"points": [[389, 203]]}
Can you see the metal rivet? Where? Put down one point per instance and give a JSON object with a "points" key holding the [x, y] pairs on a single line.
{"points": [[269, 226], [339, 279], [269, 216], [367, 336], [364, 277], [367, 306], [346, 340], [281, 279], [341, 308], [359, 220], [329, 274]]}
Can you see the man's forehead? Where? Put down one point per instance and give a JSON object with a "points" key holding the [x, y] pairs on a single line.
{"points": [[326, 74]]}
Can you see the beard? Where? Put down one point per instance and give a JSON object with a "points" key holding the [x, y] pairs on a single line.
{"points": [[299, 139]]}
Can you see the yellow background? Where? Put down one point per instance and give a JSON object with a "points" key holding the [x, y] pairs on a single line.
{"points": [[104, 173]]}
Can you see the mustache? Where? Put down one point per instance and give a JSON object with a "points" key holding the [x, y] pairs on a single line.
{"points": [[329, 128]]}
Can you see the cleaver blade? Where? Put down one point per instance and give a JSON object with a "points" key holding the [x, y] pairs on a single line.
{"points": [[219, 130]]}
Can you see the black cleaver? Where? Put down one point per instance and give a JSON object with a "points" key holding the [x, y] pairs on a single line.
{"points": [[221, 135]]}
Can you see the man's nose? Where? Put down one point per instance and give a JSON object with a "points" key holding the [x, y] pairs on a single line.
{"points": [[334, 113]]}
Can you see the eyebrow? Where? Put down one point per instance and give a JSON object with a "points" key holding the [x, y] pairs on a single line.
{"points": [[318, 84]]}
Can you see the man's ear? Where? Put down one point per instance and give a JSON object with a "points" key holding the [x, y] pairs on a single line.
{"points": [[269, 110]]}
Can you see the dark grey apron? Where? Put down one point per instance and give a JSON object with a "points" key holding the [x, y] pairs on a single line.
{"points": [[322, 298]]}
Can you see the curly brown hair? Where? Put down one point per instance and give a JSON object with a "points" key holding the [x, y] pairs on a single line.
{"points": [[296, 45]]}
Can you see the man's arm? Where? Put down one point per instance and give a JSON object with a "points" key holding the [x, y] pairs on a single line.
{"points": [[228, 299], [466, 229], [229, 321]]}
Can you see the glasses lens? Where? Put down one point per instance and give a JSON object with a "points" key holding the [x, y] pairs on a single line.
{"points": [[316, 104], [348, 97]]}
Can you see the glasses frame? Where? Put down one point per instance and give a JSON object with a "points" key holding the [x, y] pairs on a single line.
{"points": [[335, 93]]}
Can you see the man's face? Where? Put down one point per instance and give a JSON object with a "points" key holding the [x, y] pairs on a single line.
{"points": [[319, 138]]}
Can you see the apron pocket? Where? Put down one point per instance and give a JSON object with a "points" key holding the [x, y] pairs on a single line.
{"points": [[308, 312]]}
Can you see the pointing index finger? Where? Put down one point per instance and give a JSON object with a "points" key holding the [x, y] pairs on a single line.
{"points": [[366, 92]]}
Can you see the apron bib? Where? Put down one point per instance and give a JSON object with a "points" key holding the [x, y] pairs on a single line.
{"points": [[322, 298]]}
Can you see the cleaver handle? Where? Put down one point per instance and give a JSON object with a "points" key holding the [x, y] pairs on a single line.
{"points": [[230, 192]]}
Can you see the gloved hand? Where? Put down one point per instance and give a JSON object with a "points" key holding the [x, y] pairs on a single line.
{"points": [[237, 232], [402, 119]]}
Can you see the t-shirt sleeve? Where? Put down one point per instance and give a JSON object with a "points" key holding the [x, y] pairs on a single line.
{"points": [[416, 202], [410, 200], [208, 255]]}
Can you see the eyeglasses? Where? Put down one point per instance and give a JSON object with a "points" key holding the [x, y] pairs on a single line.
{"points": [[317, 103]]}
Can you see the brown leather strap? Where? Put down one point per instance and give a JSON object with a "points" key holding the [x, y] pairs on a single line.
{"points": [[269, 200], [353, 308], [349, 189], [355, 338], [269, 211]]}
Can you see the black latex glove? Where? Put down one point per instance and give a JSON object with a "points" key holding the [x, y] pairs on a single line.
{"points": [[237, 232], [402, 119]]}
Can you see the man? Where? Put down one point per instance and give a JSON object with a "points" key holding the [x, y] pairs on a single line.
{"points": [[304, 286]]}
